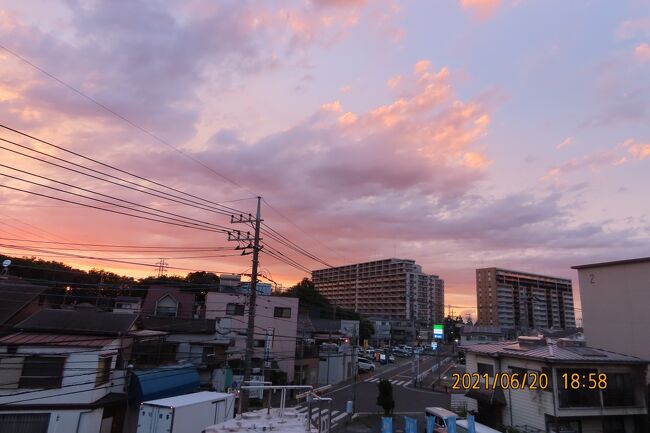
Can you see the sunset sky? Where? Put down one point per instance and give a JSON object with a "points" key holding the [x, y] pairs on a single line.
{"points": [[459, 133]]}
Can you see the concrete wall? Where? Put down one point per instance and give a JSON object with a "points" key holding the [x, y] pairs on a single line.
{"points": [[615, 302], [285, 329]]}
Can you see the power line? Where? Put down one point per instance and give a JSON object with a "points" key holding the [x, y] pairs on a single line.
{"points": [[119, 116], [211, 206], [109, 210], [184, 219]]}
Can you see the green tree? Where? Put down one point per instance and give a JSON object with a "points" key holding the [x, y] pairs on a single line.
{"points": [[385, 397], [312, 299]]}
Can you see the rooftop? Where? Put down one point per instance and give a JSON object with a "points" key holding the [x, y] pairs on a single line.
{"points": [[512, 271], [613, 263], [38, 339], [179, 325], [548, 350], [78, 322], [16, 294], [480, 329]]}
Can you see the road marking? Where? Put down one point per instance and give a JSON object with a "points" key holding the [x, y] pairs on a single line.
{"points": [[337, 418], [398, 383]]}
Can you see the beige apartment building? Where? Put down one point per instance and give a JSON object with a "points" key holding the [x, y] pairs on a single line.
{"points": [[393, 289], [615, 298], [514, 300]]}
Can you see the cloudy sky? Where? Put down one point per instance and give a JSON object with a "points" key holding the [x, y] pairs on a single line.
{"points": [[459, 133]]}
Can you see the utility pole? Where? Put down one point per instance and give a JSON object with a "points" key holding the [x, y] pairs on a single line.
{"points": [[355, 366], [252, 296]]}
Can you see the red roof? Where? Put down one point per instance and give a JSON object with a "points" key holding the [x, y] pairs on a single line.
{"points": [[34, 339]]}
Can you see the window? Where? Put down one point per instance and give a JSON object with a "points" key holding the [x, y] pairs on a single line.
{"points": [[234, 309], [42, 372], [581, 397], [10, 371], [283, 312], [259, 343], [485, 368], [167, 306], [620, 390], [103, 370], [25, 422]]}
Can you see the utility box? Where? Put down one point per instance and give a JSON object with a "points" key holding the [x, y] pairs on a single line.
{"points": [[189, 413]]}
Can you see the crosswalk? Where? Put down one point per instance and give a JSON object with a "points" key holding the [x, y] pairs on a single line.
{"points": [[393, 381], [337, 415]]}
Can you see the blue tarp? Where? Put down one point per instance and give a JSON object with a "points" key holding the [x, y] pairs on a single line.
{"points": [[163, 382]]}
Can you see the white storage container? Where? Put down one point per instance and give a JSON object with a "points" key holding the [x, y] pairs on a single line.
{"points": [[189, 413]]}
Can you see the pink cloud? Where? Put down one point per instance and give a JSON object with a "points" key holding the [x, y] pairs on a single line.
{"points": [[637, 150], [481, 8], [345, 89], [564, 143], [634, 28], [642, 52]]}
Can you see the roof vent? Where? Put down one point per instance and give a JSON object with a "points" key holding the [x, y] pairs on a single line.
{"points": [[535, 341]]}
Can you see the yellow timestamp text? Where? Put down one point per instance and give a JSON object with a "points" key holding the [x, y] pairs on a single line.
{"points": [[584, 381], [529, 380]]}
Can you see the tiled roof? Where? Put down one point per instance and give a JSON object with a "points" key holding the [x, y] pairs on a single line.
{"points": [[78, 322], [550, 351], [37, 339]]}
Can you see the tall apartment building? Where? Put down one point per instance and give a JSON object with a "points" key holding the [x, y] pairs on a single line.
{"points": [[390, 289], [520, 300]]}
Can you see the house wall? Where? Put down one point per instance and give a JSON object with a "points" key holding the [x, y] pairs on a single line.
{"points": [[285, 329], [615, 301], [334, 367], [79, 374], [69, 421]]}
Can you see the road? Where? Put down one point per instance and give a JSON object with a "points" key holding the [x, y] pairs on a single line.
{"points": [[408, 400]]}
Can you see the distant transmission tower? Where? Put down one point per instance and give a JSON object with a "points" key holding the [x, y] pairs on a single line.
{"points": [[162, 267]]}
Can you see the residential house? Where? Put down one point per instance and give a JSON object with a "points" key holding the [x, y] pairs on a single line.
{"points": [[20, 300], [196, 341], [382, 333], [127, 304], [579, 389], [167, 301], [306, 363], [65, 371], [276, 323], [470, 335]]}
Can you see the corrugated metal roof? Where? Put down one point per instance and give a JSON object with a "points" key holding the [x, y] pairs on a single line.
{"points": [[36, 339], [552, 352], [78, 322]]}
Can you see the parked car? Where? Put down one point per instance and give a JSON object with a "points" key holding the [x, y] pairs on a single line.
{"points": [[365, 365]]}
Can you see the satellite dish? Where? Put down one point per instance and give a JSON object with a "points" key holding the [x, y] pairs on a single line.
{"points": [[6, 263]]}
